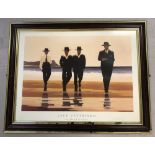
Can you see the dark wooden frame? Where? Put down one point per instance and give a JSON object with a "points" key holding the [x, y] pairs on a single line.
{"points": [[91, 127]]}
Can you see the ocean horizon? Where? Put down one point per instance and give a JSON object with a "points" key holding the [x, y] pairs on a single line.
{"points": [[116, 69]]}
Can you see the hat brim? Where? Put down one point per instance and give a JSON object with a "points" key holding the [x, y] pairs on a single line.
{"points": [[105, 45], [78, 49], [65, 50]]}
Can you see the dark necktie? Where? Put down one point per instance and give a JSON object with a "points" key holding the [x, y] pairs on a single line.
{"points": [[46, 58]]}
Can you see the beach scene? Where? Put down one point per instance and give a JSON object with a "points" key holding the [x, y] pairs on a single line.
{"points": [[92, 97]]}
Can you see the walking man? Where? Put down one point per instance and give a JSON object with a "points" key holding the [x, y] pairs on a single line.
{"points": [[66, 65], [45, 66], [107, 59], [79, 63]]}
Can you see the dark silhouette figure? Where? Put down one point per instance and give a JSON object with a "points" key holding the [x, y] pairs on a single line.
{"points": [[107, 60], [45, 66], [66, 65], [79, 63]]}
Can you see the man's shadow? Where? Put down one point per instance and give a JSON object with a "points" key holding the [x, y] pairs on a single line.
{"points": [[107, 102]]}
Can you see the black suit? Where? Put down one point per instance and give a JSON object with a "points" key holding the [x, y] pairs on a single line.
{"points": [[46, 69], [106, 66], [79, 64], [66, 64]]}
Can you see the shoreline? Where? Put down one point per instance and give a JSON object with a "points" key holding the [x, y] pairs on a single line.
{"points": [[34, 88]]}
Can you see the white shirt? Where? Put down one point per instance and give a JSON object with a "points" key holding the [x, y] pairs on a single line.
{"points": [[106, 51], [66, 56], [43, 59], [79, 55]]}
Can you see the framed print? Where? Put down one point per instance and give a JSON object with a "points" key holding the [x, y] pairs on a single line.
{"points": [[88, 77]]}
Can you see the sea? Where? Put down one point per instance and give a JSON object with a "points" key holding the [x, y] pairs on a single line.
{"points": [[120, 74]]}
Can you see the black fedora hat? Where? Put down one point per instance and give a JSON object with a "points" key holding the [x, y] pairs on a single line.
{"points": [[46, 50], [66, 49], [106, 44], [79, 48]]}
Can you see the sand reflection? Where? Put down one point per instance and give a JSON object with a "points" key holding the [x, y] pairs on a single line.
{"points": [[72, 101], [107, 102]]}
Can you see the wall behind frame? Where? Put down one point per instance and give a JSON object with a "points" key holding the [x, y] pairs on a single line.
{"points": [[4, 45]]}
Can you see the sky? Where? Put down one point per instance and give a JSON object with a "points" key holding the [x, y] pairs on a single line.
{"points": [[91, 43]]}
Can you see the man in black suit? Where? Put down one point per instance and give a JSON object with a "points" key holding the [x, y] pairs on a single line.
{"points": [[79, 63], [107, 60], [66, 65], [45, 66]]}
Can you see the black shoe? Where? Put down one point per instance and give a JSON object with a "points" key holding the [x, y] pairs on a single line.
{"points": [[106, 92], [106, 95]]}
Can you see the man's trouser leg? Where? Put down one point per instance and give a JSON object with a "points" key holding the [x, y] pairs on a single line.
{"points": [[80, 76], [64, 80], [75, 80], [45, 79], [106, 80], [48, 74], [69, 75]]}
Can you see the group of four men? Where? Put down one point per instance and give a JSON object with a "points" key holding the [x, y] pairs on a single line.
{"points": [[78, 63]]}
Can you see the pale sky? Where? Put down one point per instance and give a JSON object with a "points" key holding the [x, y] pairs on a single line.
{"points": [[91, 44]]}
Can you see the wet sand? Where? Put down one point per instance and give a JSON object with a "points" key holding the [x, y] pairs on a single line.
{"points": [[33, 88], [91, 98], [78, 104]]}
